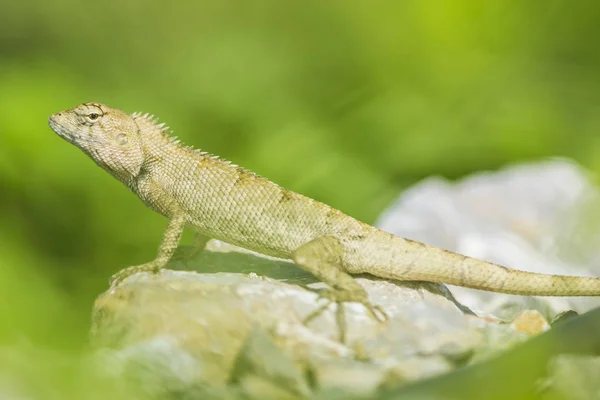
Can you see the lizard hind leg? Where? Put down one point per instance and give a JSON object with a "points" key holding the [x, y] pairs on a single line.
{"points": [[190, 252], [323, 257]]}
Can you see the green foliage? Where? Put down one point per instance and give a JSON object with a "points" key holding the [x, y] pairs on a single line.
{"points": [[347, 102]]}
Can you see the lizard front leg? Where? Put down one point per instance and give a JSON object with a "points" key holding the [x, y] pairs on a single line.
{"points": [[165, 251], [323, 257]]}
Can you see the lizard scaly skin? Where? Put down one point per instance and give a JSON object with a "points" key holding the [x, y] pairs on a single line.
{"points": [[221, 200]]}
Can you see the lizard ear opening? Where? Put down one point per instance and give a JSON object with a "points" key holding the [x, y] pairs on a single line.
{"points": [[122, 139]]}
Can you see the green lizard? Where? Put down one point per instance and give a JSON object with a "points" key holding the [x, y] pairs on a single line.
{"points": [[224, 201]]}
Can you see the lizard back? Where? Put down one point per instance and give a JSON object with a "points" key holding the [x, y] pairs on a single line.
{"points": [[227, 202]]}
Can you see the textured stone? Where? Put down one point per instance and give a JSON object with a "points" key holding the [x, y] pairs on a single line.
{"points": [[531, 322], [182, 329]]}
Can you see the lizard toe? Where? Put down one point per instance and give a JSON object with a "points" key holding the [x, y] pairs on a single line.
{"points": [[120, 276], [376, 312], [339, 297]]}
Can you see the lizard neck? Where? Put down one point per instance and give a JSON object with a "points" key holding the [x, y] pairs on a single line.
{"points": [[161, 151], [165, 162]]}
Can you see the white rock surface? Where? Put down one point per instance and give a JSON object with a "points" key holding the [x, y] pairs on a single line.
{"points": [[190, 328], [534, 217]]}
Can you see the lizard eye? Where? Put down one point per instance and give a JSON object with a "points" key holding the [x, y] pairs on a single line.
{"points": [[93, 116], [122, 139]]}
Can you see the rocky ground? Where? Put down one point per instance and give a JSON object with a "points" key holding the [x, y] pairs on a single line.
{"points": [[229, 323]]}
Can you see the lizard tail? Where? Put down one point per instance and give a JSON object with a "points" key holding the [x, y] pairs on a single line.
{"points": [[425, 263]]}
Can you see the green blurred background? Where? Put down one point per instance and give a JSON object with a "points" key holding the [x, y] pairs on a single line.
{"points": [[345, 101]]}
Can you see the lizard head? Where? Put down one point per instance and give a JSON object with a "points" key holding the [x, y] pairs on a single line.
{"points": [[109, 136]]}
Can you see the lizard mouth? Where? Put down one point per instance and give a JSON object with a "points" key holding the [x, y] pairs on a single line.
{"points": [[56, 127], [67, 134]]}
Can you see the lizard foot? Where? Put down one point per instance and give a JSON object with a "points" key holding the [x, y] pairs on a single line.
{"points": [[343, 296], [117, 278]]}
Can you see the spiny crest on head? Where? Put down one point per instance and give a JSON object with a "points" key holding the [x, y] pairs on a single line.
{"points": [[168, 134], [161, 127]]}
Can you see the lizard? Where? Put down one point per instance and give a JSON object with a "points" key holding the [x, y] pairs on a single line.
{"points": [[221, 200]]}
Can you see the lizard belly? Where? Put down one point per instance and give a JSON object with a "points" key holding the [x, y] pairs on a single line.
{"points": [[251, 235]]}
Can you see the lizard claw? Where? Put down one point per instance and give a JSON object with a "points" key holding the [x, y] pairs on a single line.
{"points": [[341, 297], [376, 312], [316, 312]]}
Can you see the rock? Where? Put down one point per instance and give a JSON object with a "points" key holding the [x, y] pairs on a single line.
{"points": [[183, 331], [522, 371], [531, 322], [530, 217], [349, 376], [262, 369]]}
